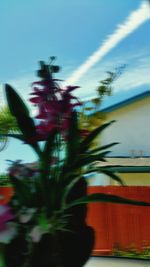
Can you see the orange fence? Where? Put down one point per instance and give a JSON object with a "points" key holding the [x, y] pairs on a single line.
{"points": [[118, 225]]}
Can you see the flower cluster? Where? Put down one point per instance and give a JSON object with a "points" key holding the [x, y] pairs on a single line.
{"points": [[20, 171], [55, 105]]}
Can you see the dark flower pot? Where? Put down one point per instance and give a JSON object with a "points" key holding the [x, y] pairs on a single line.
{"points": [[63, 249]]}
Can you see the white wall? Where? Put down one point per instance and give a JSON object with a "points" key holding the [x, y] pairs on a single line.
{"points": [[131, 129]]}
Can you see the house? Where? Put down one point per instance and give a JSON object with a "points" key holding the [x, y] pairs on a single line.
{"points": [[131, 157]]}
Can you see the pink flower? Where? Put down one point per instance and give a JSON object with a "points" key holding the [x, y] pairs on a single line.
{"points": [[21, 171], [7, 227], [5, 216]]}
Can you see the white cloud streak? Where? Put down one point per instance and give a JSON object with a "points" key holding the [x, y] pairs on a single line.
{"points": [[133, 21]]}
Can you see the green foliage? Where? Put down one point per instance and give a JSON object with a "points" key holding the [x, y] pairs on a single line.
{"points": [[7, 121], [8, 124], [132, 252], [4, 180], [51, 199], [90, 114]]}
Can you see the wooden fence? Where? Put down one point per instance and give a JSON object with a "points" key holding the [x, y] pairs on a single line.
{"points": [[118, 225]]}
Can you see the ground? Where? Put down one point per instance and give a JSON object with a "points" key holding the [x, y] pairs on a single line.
{"points": [[113, 262]]}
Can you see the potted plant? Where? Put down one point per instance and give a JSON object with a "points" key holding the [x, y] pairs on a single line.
{"points": [[44, 223]]}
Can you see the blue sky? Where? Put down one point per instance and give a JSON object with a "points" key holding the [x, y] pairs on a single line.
{"points": [[34, 30]]}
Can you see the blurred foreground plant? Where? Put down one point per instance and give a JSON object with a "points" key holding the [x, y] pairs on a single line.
{"points": [[45, 222]]}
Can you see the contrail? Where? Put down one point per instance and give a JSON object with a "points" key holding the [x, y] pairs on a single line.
{"points": [[133, 21]]}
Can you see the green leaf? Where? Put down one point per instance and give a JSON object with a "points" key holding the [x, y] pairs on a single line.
{"points": [[105, 171], [20, 111], [72, 147], [100, 197], [113, 176], [87, 141], [82, 161], [47, 179], [27, 127], [49, 146], [15, 103], [102, 147], [22, 191], [46, 156], [72, 183], [68, 188], [43, 221], [53, 196], [88, 159], [73, 139]]}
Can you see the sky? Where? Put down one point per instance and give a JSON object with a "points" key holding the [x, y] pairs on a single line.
{"points": [[74, 31]]}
